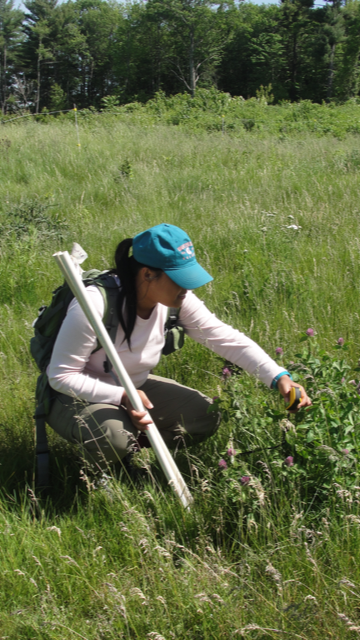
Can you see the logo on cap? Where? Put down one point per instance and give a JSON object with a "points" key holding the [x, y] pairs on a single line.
{"points": [[187, 250]]}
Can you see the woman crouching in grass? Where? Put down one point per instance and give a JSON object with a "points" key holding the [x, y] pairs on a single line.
{"points": [[90, 409]]}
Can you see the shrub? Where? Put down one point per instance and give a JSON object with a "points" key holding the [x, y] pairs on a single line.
{"points": [[28, 217]]}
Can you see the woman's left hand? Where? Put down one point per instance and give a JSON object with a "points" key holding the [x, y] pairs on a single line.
{"points": [[140, 419], [284, 385]]}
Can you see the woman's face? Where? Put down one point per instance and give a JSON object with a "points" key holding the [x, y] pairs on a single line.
{"points": [[158, 288]]}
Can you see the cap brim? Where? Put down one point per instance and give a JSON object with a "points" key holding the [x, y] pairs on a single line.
{"points": [[191, 277]]}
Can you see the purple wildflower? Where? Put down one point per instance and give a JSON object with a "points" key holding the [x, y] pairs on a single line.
{"points": [[352, 382], [216, 398], [245, 480], [279, 351], [289, 461], [342, 380], [310, 332], [291, 361], [345, 452], [226, 373], [340, 342], [231, 452], [222, 464]]}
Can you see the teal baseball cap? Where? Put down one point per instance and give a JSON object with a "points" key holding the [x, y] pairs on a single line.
{"points": [[169, 248]]}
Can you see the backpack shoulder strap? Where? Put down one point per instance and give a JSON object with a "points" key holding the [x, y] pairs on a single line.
{"points": [[110, 290], [106, 283], [173, 332], [172, 318]]}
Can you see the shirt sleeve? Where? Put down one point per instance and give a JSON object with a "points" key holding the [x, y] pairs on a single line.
{"points": [[204, 327], [74, 344]]}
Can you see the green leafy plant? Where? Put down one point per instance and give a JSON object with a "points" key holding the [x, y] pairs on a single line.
{"points": [[314, 450], [29, 217], [58, 99], [110, 102], [248, 123], [125, 170], [264, 94]]}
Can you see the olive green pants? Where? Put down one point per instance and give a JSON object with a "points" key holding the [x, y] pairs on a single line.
{"points": [[106, 433]]}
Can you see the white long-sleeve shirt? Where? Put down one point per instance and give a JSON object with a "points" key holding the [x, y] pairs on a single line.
{"points": [[75, 370]]}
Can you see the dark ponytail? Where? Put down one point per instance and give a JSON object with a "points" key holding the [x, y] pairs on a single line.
{"points": [[127, 269]]}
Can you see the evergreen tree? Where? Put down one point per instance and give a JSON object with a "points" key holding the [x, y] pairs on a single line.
{"points": [[255, 54], [335, 32], [296, 20], [10, 38], [348, 77], [72, 57], [98, 22], [40, 32]]}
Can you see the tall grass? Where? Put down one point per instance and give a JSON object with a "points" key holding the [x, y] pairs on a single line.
{"points": [[106, 560]]}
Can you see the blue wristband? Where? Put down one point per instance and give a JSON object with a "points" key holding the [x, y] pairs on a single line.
{"points": [[279, 375]]}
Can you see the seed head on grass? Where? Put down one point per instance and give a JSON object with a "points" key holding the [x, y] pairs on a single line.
{"points": [[69, 560], [56, 529], [350, 625], [255, 627], [276, 576], [135, 591], [310, 597]]}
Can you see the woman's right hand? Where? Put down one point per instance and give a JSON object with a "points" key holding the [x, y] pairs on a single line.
{"points": [[140, 419]]}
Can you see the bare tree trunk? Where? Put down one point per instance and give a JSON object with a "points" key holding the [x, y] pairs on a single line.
{"points": [[83, 84], [331, 73], [89, 86], [4, 90], [158, 65], [38, 83], [1, 91], [153, 56], [191, 64], [293, 91]]}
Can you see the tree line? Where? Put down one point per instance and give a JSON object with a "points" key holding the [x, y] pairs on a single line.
{"points": [[80, 52]]}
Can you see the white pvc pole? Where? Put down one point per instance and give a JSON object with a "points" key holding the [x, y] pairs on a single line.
{"points": [[162, 453]]}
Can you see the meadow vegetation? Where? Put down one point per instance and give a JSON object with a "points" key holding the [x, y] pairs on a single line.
{"points": [[270, 547]]}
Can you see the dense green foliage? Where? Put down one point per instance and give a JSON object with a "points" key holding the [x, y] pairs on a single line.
{"points": [[270, 547], [81, 51]]}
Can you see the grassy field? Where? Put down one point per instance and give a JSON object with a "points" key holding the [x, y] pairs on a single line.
{"points": [[275, 218]]}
